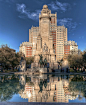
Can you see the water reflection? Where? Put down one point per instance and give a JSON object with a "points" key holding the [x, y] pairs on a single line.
{"points": [[9, 85], [51, 89], [43, 88]]}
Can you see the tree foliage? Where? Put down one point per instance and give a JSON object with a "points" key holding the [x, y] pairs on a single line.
{"points": [[8, 57], [29, 60], [78, 84], [77, 60], [9, 87]]}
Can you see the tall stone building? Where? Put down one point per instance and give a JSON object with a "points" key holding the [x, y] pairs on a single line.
{"points": [[48, 35], [45, 38], [33, 34], [61, 37], [56, 90], [48, 39]]}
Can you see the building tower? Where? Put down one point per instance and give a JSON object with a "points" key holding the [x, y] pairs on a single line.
{"points": [[45, 39], [47, 27]]}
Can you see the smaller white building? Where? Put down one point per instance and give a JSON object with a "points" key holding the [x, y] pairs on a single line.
{"points": [[26, 48], [73, 47]]}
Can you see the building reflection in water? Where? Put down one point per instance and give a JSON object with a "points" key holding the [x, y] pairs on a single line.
{"points": [[49, 89]]}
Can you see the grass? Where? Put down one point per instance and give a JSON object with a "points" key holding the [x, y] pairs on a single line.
{"points": [[71, 70], [79, 72]]}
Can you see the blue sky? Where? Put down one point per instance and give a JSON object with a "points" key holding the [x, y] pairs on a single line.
{"points": [[17, 98], [18, 16]]}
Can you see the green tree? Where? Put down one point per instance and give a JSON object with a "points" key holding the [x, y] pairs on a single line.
{"points": [[75, 60], [84, 58], [9, 87], [29, 60], [78, 85], [9, 58]]}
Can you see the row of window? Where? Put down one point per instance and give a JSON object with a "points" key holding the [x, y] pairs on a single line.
{"points": [[59, 57], [59, 33], [59, 37], [67, 51], [59, 42]]}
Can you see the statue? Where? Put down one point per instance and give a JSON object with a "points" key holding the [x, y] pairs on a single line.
{"points": [[45, 62], [45, 48], [41, 60]]}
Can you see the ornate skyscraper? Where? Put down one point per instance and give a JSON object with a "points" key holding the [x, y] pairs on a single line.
{"points": [[49, 35]]}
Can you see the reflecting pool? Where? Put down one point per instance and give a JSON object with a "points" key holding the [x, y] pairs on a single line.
{"points": [[43, 88]]}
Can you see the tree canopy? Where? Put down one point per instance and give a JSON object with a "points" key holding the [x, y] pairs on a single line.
{"points": [[29, 60], [8, 57], [9, 85], [77, 60]]}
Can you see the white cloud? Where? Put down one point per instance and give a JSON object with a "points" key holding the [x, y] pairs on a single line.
{"points": [[62, 6], [23, 17], [67, 22], [53, 6], [35, 15], [22, 9], [81, 37], [59, 6]]}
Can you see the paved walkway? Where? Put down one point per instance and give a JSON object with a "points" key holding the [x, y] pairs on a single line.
{"points": [[56, 73], [38, 103]]}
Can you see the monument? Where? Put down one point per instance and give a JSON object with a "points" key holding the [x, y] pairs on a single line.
{"points": [[44, 44], [22, 66]]}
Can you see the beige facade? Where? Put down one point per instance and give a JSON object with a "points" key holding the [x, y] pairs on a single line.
{"points": [[56, 90], [53, 25], [61, 37], [26, 49], [47, 26], [73, 46], [33, 34], [50, 35], [45, 38]]}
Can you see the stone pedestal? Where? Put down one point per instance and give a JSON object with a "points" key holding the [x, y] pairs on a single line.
{"points": [[65, 65], [43, 70], [50, 71], [22, 66], [34, 65], [43, 76], [55, 65], [51, 65]]}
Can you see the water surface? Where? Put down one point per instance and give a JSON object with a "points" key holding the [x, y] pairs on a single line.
{"points": [[43, 88]]}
